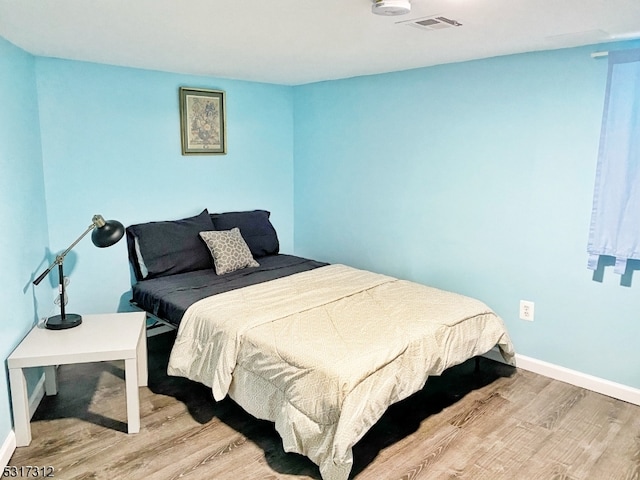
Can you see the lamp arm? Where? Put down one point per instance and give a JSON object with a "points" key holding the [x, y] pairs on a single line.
{"points": [[60, 258]]}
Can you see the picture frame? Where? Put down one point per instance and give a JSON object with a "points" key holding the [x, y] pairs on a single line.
{"points": [[203, 121]]}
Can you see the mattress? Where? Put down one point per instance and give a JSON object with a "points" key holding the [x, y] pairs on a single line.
{"points": [[169, 297], [323, 353]]}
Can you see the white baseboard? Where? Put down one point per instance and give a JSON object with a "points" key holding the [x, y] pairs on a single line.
{"points": [[7, 449], [9, 444], [573, 377]]}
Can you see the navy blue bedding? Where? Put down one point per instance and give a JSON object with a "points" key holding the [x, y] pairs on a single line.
{"points": [[169, 297]]}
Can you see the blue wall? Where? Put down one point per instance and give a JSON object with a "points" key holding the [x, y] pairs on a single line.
{"points": [[475, 177], [111, 143], [22, 209]]}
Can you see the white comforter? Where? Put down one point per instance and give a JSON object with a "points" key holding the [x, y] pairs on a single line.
{"points": [[323, 353]]}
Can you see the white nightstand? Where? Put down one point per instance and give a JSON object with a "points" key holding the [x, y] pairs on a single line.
{"points": [[100, 338]]}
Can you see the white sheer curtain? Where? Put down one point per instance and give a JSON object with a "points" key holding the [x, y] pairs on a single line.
{"points": [[615, 218]]}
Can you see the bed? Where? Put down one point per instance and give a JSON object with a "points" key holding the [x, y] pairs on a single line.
{"points": [[320, 350]]}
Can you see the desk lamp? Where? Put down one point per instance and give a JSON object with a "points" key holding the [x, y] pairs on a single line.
{"points": [[105, 233]]}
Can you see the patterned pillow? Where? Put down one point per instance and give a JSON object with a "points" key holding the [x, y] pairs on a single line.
{"points": [[229, 250]]}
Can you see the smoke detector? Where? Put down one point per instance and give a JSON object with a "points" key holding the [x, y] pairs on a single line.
{"points": [[391, 7]]}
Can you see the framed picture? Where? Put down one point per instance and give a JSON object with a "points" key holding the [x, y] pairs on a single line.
{"points": [[202, 122]]}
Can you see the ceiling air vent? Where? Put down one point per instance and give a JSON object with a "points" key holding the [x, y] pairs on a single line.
{"points": [[432, 23]]}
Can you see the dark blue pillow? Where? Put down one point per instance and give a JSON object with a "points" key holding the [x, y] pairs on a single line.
{"points": [[255, 227], [158, 249]]}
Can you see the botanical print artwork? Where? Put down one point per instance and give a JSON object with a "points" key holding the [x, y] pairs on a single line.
{"points": [[204, 122]]}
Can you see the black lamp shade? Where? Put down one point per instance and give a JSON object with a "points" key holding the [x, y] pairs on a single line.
{"points": [[108, 234]]}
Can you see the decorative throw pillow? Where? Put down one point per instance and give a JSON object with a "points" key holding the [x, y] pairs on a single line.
{"points": [[229, 250]]}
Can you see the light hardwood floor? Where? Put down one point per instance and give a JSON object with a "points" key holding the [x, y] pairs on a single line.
{"points": [[501, 423]]}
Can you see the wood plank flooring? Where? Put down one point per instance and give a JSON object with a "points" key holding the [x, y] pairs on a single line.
{"points": [[501, 423]]}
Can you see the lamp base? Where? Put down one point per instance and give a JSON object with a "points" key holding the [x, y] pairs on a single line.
{"points": [[56, 322]]}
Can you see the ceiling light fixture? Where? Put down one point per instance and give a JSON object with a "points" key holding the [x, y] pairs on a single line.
{"points": [[391, 7]]}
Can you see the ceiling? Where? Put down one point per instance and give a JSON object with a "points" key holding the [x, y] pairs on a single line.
{"points": [[293, 42]]}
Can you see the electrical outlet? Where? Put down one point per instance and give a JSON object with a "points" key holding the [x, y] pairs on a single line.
{"points": [[526, 310]]}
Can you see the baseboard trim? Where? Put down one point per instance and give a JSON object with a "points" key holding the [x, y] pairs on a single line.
{"points": [[573, 377], [7, 449], [9, 444]]}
